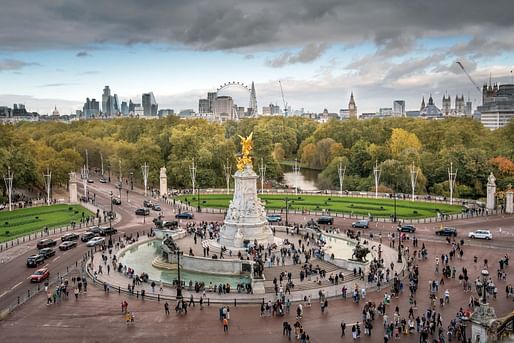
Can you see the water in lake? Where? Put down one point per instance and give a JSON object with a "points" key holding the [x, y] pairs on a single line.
{"points": [[307, 178]]}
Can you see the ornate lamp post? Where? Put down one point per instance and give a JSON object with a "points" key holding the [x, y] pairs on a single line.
{"points": [[110, 222], [485, 277], [179, 286]]}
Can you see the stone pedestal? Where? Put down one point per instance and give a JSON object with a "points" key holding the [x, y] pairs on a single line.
{"points": [[509, 201], [73, 188], [163, 189], [258, 286], [491, 192], [481, 321], [246, 218]]}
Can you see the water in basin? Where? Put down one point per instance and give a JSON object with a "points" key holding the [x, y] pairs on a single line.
{"points": [[341, 248], [140, 257]]}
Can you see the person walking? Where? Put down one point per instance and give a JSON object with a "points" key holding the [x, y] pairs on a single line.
{"points": [[166, 308], [343, 328], [225, 325]]}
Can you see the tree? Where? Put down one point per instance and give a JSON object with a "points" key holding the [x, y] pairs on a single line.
{"points": [[401, 140]]}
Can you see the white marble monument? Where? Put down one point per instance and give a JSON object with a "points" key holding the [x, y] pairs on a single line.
{"points": [[73, 188], [491, 192], [246, 217], [163, 189]]}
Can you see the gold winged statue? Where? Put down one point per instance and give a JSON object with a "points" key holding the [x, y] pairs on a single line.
{"points": [[246, 149]]}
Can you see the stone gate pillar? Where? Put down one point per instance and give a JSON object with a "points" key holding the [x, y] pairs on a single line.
{"points": [[491, 192], [73, 188], [163, 189], [509, 201]]}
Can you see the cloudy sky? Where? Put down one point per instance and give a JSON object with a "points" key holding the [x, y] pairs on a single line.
{"points": [[58, 52]]}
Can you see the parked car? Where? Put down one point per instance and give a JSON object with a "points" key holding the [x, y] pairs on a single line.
{"points": [[107, 231], [407, 228], [40, 275], [118, 185], [90, 181], [95, 241], [2, 206], [142, 212], [45, 243], [184, 215], [147, 203], [35, 260], [361, 224], [325, 220], [156, 207], [274, 218], [103, 179], [447, 231], [47, 252], [116, 201], [86, 236], [95, 229], [70, 237], [482, 234], [67, 245]]}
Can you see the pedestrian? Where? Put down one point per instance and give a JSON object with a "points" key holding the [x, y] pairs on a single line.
{"points": [[225, 325], [76, 292], [166, 308], [343, 328]]}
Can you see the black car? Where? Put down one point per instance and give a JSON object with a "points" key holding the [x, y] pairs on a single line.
{"points": [[70, 237], [325, 220], [67, 245], [447, 231], [116, 201], [142, 212], [147, 203], [95, 230], [47, 252], [184, 215], [45, 243], [156, 207], [103, 180], [108, 231], [35, 260], [86, 236], [407, 228]]}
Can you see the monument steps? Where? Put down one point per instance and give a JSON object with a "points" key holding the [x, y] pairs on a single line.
{"points": [[274, 272], [309, 285]]}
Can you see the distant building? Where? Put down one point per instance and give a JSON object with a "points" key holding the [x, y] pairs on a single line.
{"points": [[91, 109], [204, 106], [430, 110], [150, 107], [124, 108], [352, 107], [399, 108], [460, 106], [108, 102], [344, 113], [468, 110], [385, 111], [446, 109], [497, 105], [166, 112], [224, 108], [271, 110]]}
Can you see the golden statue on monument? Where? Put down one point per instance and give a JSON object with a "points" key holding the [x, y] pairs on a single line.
{"points": [[246, 149]]}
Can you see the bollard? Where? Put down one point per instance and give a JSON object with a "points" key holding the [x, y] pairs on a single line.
{"points": [[76, 263], [208, 301], [137, 294], [235, 302], [158, 297], [67, 270], [119, 290], [23, 239], [28, 293], [18, 300]]}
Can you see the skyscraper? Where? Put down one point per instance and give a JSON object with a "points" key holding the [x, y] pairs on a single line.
{"points": [[399, 108], [150, 106], [224, 107], [252, 109], [211, 96], [91, 108], [203, 106], [124, 108], [107, 101], [352, 107]]}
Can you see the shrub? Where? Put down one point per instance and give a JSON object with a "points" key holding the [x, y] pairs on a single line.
{"points": [[415, 212], [7, 233]]}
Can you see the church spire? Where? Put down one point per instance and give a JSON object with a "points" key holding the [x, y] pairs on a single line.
{"points": [[352, 107]]}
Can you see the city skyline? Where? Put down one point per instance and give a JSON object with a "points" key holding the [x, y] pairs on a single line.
{"points": [[320, 51]]}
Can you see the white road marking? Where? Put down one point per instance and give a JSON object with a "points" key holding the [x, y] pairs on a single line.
{"points": [[55, 259], [19, 283], [4, 293]]}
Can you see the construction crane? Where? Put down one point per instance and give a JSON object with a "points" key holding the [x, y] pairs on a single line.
{"points": [[469, 77], [283, 99]]}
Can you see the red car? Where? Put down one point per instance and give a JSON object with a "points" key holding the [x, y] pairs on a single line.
{"points": [[40, 275]]}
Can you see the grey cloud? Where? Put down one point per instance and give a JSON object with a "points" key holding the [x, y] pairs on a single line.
{"points": [[229, 24], [308, 54], [62, 84], [12, 64], [82, 54]]}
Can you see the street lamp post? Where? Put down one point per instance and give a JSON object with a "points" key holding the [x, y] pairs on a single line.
{"points": [[110, 222], [485, 277], [199, 208], [109, 170], [179, 286], [287, 210], [127, 195], [131, 181], [399, 260]]}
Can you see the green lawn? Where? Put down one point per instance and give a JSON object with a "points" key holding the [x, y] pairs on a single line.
{"points": [[361, 206], [23, 221]]}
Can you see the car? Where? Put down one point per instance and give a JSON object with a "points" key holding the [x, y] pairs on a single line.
{"points": [[47, 252], [95, 230], [116, 201], [45, 243], [110, 214], [156, 207], [35, 260], [184, 215], [70, 237], [107, 231], [142, 212], [95, 241], [407, 228], [103, 180], [87, 236], [481, 234], [40, 275], [274, 218], [447, 231], [147, 203], [119, 185], [67, 245], [2, 206], [325, 220], [90, 181], [361, 224]]}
